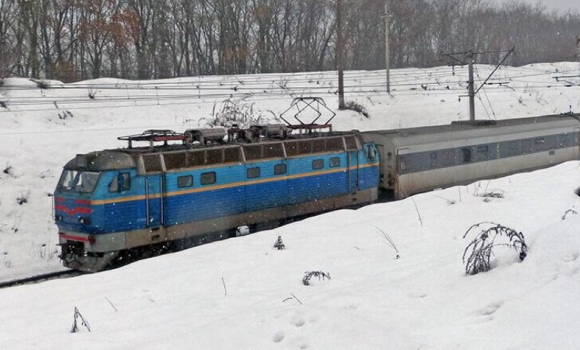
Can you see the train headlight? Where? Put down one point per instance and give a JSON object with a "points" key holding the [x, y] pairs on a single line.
{"points": [[84, 221], [58, 218]]}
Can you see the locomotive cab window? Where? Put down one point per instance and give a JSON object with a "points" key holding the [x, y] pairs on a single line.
{"points": [[318, 164], [208, 178], [121, 182], [185, 181], [253, 173]]}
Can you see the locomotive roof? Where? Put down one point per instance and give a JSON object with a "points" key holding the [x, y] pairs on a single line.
{"points": [[466, 129], [125, 158]]}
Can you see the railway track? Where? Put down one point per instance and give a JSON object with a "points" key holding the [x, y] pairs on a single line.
{"points": [[40, 278]]}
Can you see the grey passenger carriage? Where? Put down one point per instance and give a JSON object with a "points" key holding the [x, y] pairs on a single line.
{"points": [[420, 159]]}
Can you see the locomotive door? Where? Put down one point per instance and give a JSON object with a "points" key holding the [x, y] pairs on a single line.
{"points": [[154, 200], [352, 174]]}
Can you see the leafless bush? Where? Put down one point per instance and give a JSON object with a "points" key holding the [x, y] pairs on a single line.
{"points": [[357, 107], [92, 91], [569, 211], [84, 322], [309, 274], [23, 198], [8, 170], [65, 115], [477, 254], [238, 112], [279, 244]]}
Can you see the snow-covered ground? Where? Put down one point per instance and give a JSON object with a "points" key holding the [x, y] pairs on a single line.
{"points": [[421, 301], [243, 294]]}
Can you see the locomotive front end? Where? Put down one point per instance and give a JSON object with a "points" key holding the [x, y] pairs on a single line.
{"points": [[87, 182]]}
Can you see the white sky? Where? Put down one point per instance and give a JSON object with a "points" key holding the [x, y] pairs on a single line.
{"points": [[561, 5]]}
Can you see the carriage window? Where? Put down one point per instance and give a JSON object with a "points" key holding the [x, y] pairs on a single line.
{"points": [[185, 181], [334, 162], [253, 173], [208, 178], [514, 149], [280, 169], [449, 158], [433, 157], [124, 179], [561, 141], [482, 153], [318, 164], [527, 147], [466, 152]]}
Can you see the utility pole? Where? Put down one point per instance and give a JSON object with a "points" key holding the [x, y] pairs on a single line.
{"points": [[387, 51], [578, 50], [340, 54], [470, 57]]}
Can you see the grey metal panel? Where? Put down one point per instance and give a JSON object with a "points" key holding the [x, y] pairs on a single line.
{"points": [[100, 161], [460, 132]]}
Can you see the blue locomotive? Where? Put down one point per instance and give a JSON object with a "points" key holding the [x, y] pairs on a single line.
{"points": [[111, 202]]}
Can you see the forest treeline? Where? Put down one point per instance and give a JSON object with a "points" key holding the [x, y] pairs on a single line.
{"points": [[141, 39]]}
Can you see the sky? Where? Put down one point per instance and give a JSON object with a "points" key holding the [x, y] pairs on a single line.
{"points": [[561, 5]]}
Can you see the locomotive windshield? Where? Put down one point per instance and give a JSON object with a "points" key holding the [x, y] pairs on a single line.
{"points": [[78, 181]]}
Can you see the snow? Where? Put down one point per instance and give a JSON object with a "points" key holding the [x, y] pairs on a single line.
{"points": [[423, 300], [373, 301]]}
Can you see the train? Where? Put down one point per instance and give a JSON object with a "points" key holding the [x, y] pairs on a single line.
{"points": [[204, 184]]}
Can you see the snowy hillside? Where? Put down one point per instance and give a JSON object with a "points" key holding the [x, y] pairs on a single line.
{"points": [[243, 294], [43, 125]]}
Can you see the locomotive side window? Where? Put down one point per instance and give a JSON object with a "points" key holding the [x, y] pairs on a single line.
{"points": [[317, 164], [185, 181], [253, 173], [466, 152], [280, 169], [482, 153], [208, 178], [121, 182], [334, 162]]}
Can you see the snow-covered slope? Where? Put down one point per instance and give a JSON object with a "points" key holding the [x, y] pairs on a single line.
{"points": [[243, 294], [42, 128]]}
